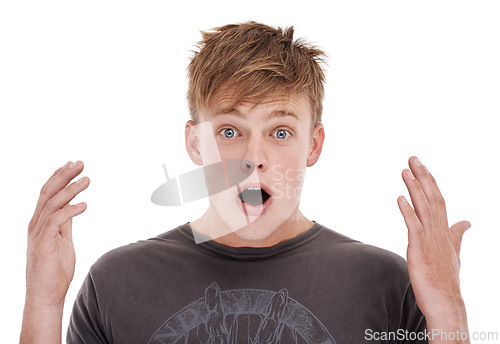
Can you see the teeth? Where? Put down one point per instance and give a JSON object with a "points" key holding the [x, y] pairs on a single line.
{"points": [[253, 188]]}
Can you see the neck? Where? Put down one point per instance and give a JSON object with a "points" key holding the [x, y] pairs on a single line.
{"points": [[260, 233]]}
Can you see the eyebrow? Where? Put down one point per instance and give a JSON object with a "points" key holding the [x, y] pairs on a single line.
{"points": [[273, 114]]}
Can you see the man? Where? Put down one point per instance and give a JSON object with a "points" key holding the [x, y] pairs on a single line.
{"points": [[252, 268]]}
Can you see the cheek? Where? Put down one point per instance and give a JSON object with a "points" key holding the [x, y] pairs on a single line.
{"points": [[209, 150], [287, 182], [293, 175], [230, 151], [290, 167]]}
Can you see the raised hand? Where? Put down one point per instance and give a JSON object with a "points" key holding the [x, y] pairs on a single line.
{"points": [[433, 250], [50, 260]]}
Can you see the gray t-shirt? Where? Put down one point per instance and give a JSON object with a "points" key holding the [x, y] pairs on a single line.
{"points": [[318, 287]]}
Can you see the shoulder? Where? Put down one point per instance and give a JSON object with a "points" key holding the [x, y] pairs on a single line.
{"points": [[121, 260], [367, 259]]}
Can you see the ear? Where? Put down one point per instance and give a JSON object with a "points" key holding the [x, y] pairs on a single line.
{"points": [[315, 145], [193, 143]]}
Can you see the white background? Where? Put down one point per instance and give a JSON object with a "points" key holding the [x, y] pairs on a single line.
{"points": [[104, 82]]}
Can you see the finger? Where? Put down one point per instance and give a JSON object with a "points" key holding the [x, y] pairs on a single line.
{"points": [[434, 197], [57, 182], [36, 215], [415, 228], [66, 227], [418, 199], [51, 227], [63, 197], [457, 233]]}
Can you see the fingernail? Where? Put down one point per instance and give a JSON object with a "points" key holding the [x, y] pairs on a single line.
{"points": [[417, 162], [66, 165], [73, 165], [80, 180], [409, 174]]}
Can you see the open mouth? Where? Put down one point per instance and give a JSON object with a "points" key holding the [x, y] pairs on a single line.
{"points": [[254, 196]]}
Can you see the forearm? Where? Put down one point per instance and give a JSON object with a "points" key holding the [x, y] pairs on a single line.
{"points": [[450, 326], [41, 324]]}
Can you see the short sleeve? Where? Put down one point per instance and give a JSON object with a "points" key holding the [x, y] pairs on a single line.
{"points": [[85, 324], [413, 327]]}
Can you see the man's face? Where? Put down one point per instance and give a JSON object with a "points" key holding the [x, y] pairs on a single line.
{"points": [[275, 136]]}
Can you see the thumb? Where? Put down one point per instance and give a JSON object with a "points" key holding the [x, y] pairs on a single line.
{"points": [[457, 232]]}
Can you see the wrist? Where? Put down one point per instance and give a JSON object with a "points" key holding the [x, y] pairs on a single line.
{"points": [[448, 319], [33, 299], [42, 322], [453, 309], [33, 308]]}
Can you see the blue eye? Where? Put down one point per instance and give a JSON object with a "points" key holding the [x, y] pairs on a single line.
{"points": [[229, 132], [282, 134]]}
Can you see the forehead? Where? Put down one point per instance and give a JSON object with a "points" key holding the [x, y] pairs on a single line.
{"points": [[296, 107]]}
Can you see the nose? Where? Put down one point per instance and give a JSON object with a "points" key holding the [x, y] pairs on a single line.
{"points": [[255, 154]]}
